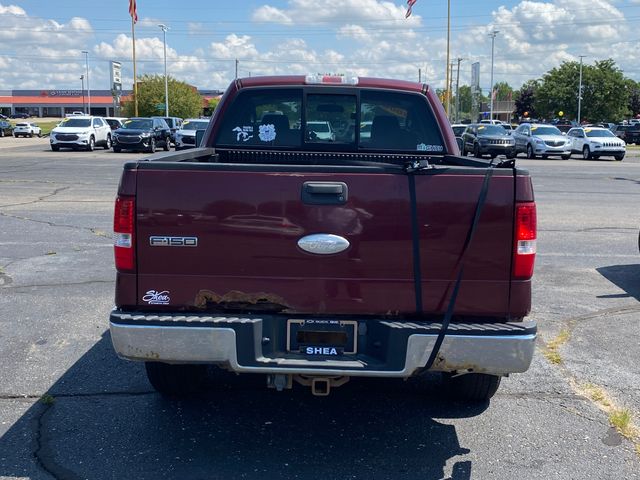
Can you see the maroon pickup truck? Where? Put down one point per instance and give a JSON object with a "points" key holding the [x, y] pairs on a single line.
{"points": [[326, 228]]}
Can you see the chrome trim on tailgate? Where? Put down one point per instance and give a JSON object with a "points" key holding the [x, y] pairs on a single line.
{"points": [[498, 355]]}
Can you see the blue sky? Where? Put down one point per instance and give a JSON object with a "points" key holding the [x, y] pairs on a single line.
{"points": [[41, 42]]}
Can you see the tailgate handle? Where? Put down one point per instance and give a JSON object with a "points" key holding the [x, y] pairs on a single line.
{"points": [[325, 193]]}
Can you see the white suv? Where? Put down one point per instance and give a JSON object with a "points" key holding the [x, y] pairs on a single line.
{"points": [[81, 132], [27, 129]]}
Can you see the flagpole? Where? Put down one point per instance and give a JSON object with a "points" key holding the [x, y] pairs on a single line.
{"points": [[135, 77]]}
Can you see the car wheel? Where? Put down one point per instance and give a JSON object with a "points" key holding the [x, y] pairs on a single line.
{"points": [[1, 133], [117, 149], [55, 148], [544, 157], [530, 153], [472, 387], [476, 151], [586, 153], [31, 135], [152, 145], [619, 157], [107, 145], [92, 144], [167, 144], [40, 134], [176, 380], [566, 157]]}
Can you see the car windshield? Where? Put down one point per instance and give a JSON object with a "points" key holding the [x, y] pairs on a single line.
{"points": [[195, 125], [545, 131], [598, 133], [76, 122], [457, 130], [139, 123], [491, 130]]}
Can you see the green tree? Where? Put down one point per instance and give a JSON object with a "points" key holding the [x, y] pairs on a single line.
{"points": [[503, 91], [464, 92], [604, 96], [525, 99], [633, 88], [184, 100]]}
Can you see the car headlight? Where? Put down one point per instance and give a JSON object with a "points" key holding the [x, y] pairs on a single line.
{"points": [[483, 141], [538, 140], [145, 134]]}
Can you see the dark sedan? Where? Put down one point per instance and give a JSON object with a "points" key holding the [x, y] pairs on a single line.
{"points": [[6, 129], [485, 139], [142, 134]]}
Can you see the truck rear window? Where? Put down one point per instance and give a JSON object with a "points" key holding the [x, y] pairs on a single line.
{"points": [[290, 118]]}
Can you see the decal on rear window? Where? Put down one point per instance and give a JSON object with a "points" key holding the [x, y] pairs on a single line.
{"points": [[421, 147], [267, 133], [243, 134]]}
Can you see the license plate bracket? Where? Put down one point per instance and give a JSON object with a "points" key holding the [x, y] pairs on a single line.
{"points": [[322, 337]]}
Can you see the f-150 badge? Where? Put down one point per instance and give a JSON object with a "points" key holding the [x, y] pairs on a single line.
{"points": [[162, 241], [323, 244]]}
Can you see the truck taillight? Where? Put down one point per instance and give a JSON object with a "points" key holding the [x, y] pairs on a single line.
{"points": [[524, 255], [123, 233]]}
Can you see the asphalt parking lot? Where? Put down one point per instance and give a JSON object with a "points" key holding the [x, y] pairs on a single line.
{"points": [[69, 409]]}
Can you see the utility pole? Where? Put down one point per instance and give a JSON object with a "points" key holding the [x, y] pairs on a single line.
{"points": [[447, 92], [164, 29], [449, 88], [459, 59], [419, 75], [86, 59], [580, 89], [236, 68], [493, 41]]}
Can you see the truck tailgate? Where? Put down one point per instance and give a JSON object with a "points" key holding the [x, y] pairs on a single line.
{"points": [[248, 221]]}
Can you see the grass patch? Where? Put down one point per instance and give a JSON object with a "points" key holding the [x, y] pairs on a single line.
{"points": [[47, 399], [46, 127], [597, 394], [620, 419], [551, 352]]}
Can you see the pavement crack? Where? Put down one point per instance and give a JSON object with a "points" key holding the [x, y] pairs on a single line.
{"points": [[39, 199], [72, 284], [93, 230]]}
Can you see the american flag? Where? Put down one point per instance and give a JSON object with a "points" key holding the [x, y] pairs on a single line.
{"points": [[133, 10], [410, 4]]}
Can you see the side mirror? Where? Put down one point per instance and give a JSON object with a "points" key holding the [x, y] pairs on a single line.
{"points": [[199, 137], [460, 142]]}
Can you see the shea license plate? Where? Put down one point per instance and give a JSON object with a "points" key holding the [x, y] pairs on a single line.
{"points": [[322, 337]]}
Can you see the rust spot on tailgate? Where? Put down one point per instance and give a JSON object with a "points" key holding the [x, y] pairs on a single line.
{"points": [[235, 300]]}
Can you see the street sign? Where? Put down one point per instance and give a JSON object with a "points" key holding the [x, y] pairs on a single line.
{"points": [[159, 106]]}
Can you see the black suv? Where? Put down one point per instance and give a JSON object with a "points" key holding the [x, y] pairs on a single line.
{"points": [[144, 134], [628, 133], [5, 128], [486, 139], [175, 124]]}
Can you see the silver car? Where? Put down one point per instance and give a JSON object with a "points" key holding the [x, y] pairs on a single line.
{"points": [[186, 136], [539, 139]]}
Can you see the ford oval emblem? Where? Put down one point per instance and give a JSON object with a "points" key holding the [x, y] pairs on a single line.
{"points": [[323, 244]]}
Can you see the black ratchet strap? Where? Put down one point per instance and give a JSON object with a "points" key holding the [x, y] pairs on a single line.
{"points": [[460, 269]]}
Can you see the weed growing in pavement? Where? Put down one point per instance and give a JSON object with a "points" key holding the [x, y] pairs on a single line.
{"points": [[47, 399], [620, 418], [551, 352]]}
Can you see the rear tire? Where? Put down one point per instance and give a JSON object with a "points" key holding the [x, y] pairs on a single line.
{"points": [[472, 387], [176, 380]]}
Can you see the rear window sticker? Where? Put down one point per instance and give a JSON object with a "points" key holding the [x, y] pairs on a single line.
{"points": [[421, 147], [481, 127], [267, 133], [243, 134]]}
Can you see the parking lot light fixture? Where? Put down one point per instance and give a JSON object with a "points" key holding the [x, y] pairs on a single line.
{"points": [[580, 90], [82, 84], [164, 29], [493, 40], [86, 61]]}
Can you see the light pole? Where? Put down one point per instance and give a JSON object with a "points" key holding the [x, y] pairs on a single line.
{"points": [[164, 29], [86, 60], [459, 59], [493, 41], [580, 89], [82, 83]]}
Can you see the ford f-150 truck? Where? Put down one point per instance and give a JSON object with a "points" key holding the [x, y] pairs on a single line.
{"points": [[272, 249]]}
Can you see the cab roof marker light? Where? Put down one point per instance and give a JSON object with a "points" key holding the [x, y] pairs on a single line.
{"points": [[327, 78]]}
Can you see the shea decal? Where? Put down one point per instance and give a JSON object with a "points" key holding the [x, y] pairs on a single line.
{"points": [[153, 297], [267, 133], [243, 134], [421, 147], [321, 350]]}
